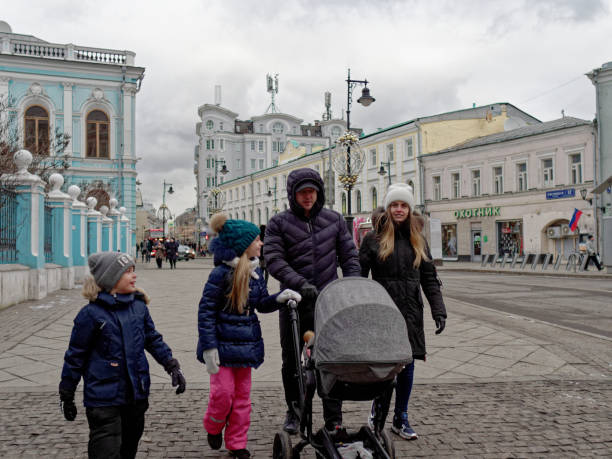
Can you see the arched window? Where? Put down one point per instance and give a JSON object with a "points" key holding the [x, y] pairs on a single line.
{"points": [[358, 199], [278, 128], [259, 216], [98, 128], [251, 214], [374, 199], [343, 203], [267, 215], [243, 215], [37, 130]]}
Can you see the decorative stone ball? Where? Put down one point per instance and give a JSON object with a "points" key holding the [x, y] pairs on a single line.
{"points": [[23, 159], [104, 210], [56, 181], [91, 202], [113, 203], [123, 210], [74, 192]]}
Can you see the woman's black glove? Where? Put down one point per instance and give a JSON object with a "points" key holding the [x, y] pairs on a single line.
{"points": [[173, 368], [67, 405], [440, 324], [309, 292]]}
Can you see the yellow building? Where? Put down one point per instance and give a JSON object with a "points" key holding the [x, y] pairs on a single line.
{"points": [[396, 150]]}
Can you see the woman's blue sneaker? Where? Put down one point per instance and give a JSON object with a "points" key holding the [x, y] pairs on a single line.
{"points": [[401, 427]]}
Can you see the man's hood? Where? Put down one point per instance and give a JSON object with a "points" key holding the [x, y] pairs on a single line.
{"points": [[294, 180]]}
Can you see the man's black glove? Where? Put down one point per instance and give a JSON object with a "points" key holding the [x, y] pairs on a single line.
{"points": [[67, 405], [173, 368], [309, 292], [440, 324]]}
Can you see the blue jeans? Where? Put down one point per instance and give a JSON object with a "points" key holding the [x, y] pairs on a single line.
{"points": [[403, 389]]}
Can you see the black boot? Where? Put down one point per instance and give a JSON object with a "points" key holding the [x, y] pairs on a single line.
{"points": [[215, 441], [292, 423], [240, 453]]}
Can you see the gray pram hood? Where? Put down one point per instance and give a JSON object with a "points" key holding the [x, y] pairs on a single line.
{"points": [[360, 334]]}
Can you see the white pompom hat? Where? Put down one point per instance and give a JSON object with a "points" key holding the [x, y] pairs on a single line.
{"points": [[399, 192]]}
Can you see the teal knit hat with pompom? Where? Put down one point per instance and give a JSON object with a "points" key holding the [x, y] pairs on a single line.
{"points": [[234, 234]]}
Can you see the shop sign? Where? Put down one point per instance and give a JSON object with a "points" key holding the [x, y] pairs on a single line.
{"points": [[478, 212], [559, 194]]}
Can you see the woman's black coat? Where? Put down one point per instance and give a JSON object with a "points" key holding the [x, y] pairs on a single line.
{"points": [[402, 281]]}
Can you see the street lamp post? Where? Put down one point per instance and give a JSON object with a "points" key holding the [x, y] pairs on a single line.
{"points": [[349, 166], [383, 171], [215, 191], [270, 190], [164, 207]]}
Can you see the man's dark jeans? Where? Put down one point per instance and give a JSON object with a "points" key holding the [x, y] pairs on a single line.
{"points": [[114, 431], [332, 408]]}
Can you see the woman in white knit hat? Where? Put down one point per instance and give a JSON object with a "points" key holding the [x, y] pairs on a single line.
{"points": [[400, 261]]}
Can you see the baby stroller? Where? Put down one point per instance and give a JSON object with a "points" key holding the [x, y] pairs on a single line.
{"points": [[360, 345]]}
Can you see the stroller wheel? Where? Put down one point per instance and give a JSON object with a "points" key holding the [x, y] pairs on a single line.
{"points": [[388, 443], [282, 446]]}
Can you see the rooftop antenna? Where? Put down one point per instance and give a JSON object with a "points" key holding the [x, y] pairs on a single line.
{"points": [[328, 114], [272, 86]]}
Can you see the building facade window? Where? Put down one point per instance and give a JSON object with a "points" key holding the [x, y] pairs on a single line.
{"points": [[36, 130], [548, 178], [253, 163], [498, 180], [449, 241], [98, 127], [476, 183], [259, 216], [220, 125], [374, 199], [210, 144], [510, 237], [278, 128], [237, 163], [261, 163], [575, 169], [258, 188], [436, 187], [261, 145], [252, 145], [373, 157], [456, 185], [521, 176], [358, 199], [408, 148], [267, 215], [335, 132], [210, 125], [221, 144], [390, 156]]}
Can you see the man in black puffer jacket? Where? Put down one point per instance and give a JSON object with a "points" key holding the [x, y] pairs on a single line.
{"points": [[302, 248]]}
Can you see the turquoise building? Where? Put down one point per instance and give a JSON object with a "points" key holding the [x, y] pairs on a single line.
{"points": [[86, 93]]}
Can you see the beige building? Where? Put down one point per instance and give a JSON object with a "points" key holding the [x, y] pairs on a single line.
{"points": [[513, 192], [257, 196]]}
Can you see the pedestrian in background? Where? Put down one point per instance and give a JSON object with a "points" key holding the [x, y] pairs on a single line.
{"points": [[399, 258], [106, 349], [171, 252], [230, 341], [592, 254], [159, 254], [304, 245]]}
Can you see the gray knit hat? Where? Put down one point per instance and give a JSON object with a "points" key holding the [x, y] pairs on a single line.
{"points": [[108, 267]]}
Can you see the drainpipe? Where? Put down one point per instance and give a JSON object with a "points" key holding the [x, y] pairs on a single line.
{"points": [[253, 196], [421, 168], [595, 177], [121, 113]]}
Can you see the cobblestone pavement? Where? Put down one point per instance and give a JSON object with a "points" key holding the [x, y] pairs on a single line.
{"points": [[494, 385]]}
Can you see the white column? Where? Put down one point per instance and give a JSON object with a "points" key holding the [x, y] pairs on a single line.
{"points": [[128, 95], [68, 114]]}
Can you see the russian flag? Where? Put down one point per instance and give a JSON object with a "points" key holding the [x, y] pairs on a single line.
{"points": [[574, 221]]}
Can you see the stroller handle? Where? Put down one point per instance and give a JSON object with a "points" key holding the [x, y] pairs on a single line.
{"points": [[292, 304]]}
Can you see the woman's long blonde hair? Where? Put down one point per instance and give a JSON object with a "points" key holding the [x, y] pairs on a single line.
{"points": [[385, 229], [239, 294]]}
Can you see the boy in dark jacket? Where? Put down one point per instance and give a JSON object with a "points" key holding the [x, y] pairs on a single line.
{"points": [[230, 341], [106, 349]]}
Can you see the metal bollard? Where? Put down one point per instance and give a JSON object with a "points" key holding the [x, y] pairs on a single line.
{"points": [[504, 258], [514, 260], [571, 262], [525, 260], [534, 265], [483, 262], [494, 260]]}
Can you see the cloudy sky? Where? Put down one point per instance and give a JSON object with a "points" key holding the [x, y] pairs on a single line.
{"points": [[421, 57]]}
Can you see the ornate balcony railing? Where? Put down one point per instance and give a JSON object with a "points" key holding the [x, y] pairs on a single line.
{"points": [[68, 52]]}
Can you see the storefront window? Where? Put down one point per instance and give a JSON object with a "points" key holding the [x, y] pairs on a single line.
{"points": [[510, 237], [449, 241]]}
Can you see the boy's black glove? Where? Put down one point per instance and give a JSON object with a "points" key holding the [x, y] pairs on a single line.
{"points": [[309, 292], [67, 405], [174, 369], [440, 324]]}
